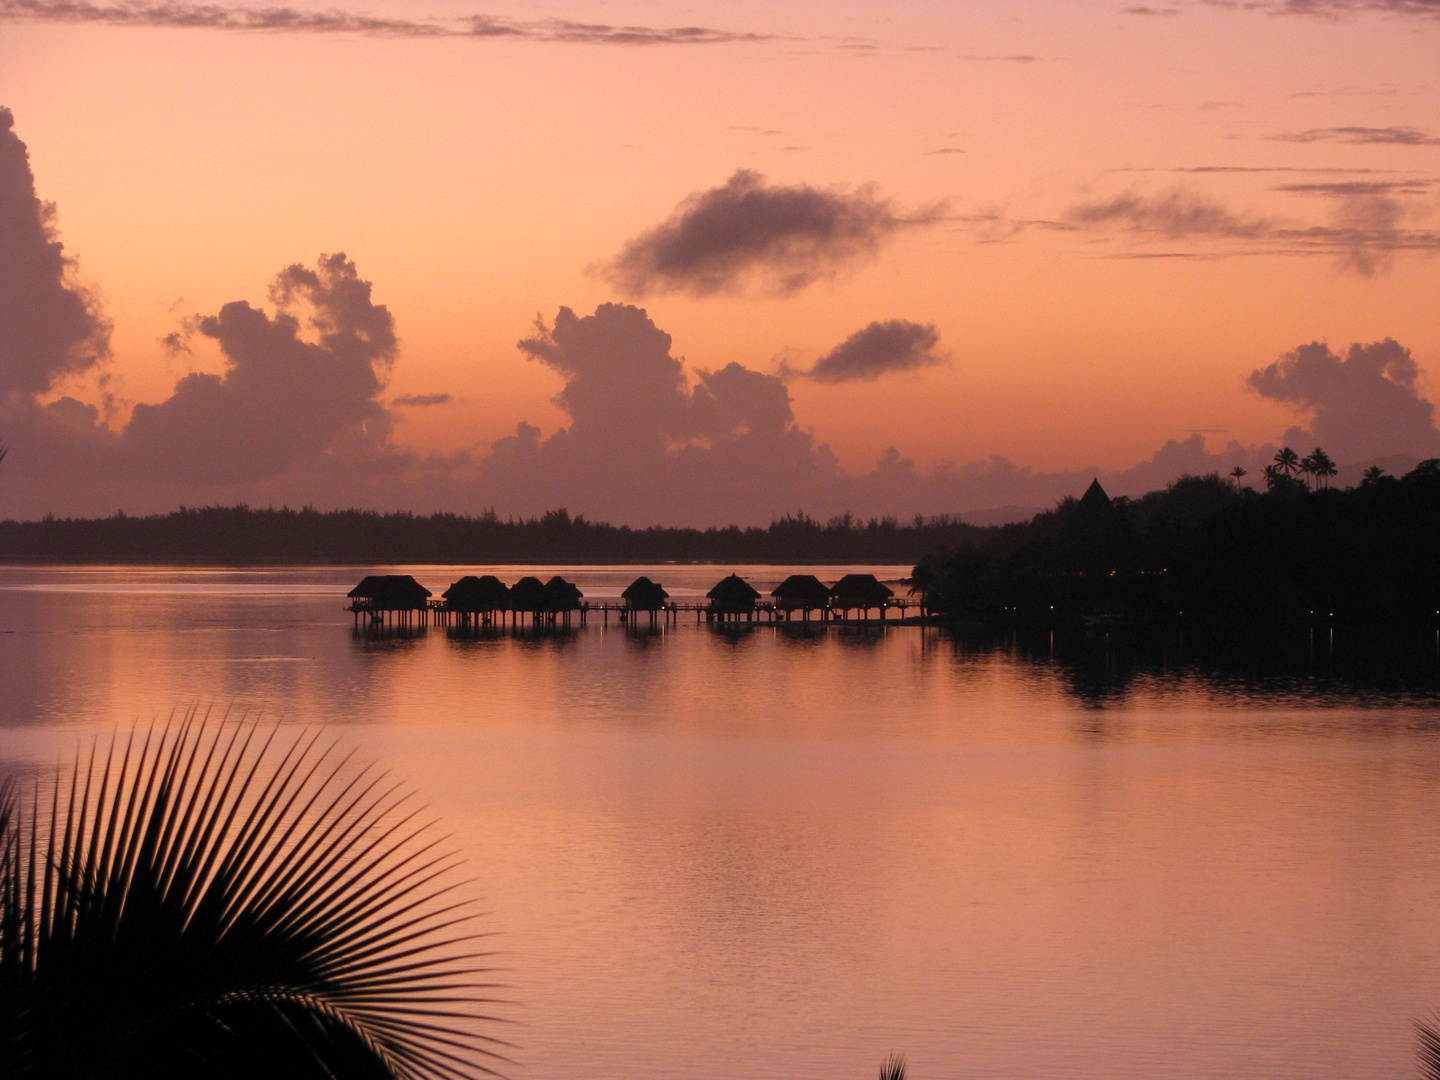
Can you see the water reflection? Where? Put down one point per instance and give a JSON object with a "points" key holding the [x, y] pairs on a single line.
{"points": [[764, 850]]}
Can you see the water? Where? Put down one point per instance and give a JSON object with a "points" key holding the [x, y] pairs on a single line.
{"points": [[764, 854]]}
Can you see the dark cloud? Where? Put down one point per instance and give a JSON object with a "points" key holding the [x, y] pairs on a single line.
{"points": [[878, 349], [1149, 11], [335, 21], [1332, 8], [50, 326], [1363, 136], [420, 401], [1359, 188], [1365, 233], [1365, 404], [1173, 214], [283, 396], [747, 231]]}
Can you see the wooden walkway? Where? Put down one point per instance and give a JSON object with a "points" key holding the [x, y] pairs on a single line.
{"points": [[439, 613]]}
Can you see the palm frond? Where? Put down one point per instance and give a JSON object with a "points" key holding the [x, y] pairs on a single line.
{"points": [[1427, 1048], [893, 1067], [221, 900]]}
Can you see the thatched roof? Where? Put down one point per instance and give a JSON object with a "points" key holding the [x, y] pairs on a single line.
{"points": [[860, 591], [1095, 496], [473, 593], [733, 593], [802, 590], [390, 592], [644, 594], [528, 594], [562, 595]]}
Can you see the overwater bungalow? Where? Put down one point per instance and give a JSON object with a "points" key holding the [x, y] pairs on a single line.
{"points": [[477, 599], [731, 598], [396, 598], [642, 594], [527, 596], [859, 592], [561, 598], [803, 593]]}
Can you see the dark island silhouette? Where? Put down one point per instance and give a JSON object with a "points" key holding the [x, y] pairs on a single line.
{"points": [[1207, 548]]}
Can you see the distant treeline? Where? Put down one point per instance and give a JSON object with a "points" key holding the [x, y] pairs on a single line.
{"points": [[242, 535], [1206, 548]]}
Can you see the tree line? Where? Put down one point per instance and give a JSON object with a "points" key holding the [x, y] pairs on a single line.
{"points": [[1206, 547], [243, 535]]}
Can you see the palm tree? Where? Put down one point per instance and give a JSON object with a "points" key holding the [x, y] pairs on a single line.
{"points": [[1321, 466], [219, 901], [1307, 469], [1237, 474], [893, 1067], [1287, 460], [1373, 476]]}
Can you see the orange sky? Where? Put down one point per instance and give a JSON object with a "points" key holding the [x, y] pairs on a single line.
{"points": [[477, 182]]}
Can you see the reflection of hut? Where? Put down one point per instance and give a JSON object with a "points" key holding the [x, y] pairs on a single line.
{"points": [[398, 597], [732, 597], [859, 592], [803, 593], [561, 598], [472, 596], [528, 596], [644, 595]]}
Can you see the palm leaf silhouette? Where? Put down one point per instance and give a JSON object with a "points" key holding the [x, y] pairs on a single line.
{"points": [[218, 901], [1427, 1039]]}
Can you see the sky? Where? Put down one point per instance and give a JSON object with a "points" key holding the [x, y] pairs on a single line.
{"points": [[665, 262]]}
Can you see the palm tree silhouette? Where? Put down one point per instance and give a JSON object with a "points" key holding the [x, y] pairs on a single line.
{"points": [[1237, 474], [220, 901], [1288, 461], [1321, 467], [1373, 475]]}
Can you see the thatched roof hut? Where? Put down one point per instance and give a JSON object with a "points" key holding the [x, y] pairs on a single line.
{"points": [[472, 594], [732, 596], [389, 592], [801, 592], [644, 595], [859, 591], [562, 595], [527, 594]]}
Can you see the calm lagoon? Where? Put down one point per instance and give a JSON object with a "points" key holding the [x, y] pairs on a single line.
{"points": [[780, 852]]}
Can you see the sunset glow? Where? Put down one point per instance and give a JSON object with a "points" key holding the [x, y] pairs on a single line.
{"points": [[1064, 234]]}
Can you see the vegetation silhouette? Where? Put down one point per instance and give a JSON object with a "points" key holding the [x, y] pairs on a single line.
{"points": [[1204, 549], [240, 535], [220, 900], [1428, 1049]]}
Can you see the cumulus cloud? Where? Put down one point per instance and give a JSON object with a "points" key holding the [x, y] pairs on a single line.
{"points": [[750, 232], [1363, 136], [1364, 404], [282, 396], [879, 349], [50, 326], [644, 432], [280, 19]]}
